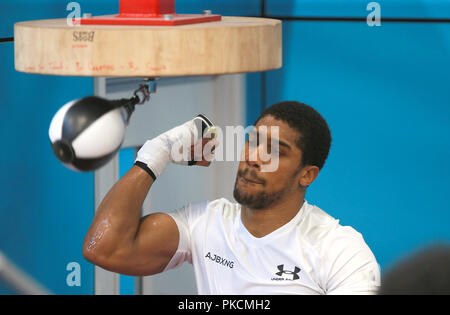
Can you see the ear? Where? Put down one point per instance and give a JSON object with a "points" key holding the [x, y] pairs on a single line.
{"points": [[307, 175]]}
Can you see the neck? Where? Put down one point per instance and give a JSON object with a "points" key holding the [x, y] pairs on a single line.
{"points": [[261, 222]]}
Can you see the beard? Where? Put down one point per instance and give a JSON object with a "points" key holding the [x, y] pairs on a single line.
{"points": [[259, 200]]}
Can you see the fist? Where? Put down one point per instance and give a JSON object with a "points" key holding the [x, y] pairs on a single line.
{"points": [[202, 153]]}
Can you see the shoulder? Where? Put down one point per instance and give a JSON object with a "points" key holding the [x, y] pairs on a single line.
{"points": [[224, 207], [346, 263], [327, 235], [316, 225]]}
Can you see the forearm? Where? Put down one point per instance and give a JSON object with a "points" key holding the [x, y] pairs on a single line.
{"points": [[117, 220]]}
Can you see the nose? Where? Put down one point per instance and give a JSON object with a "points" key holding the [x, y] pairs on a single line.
{"points": [[252, 157]]}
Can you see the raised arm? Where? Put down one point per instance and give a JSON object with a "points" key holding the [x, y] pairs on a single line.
{"points": [[120, 240]]}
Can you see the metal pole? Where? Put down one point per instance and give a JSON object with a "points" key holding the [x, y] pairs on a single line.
{"points": [[18, 280], [106, 282]]}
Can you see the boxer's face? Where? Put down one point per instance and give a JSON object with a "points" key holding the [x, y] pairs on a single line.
{"points": [[257, 189]]}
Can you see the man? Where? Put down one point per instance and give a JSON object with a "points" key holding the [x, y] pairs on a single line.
{"points": [[271, 242]]}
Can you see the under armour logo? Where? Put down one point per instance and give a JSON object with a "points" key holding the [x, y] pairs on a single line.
{"points": [[288, 272]]}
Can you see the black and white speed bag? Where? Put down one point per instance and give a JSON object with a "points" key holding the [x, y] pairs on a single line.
{"points": [[86, 134]]}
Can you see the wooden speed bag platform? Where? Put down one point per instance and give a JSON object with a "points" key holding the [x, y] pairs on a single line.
{"points": [[148, 39]]}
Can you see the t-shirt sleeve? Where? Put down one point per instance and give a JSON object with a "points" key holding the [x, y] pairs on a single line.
{"points": [[185, 219], [349, 265]]}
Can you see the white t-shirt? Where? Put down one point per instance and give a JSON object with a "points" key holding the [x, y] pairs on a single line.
{"points": [[311, 254]]}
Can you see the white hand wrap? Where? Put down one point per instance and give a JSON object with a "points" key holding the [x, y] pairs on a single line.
{"points": [[171, 146]]}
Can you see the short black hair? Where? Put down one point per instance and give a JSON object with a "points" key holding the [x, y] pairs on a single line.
{"points": [[315, 135]]}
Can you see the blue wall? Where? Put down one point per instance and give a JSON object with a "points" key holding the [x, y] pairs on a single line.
{"points": [[357, 8], [385, 94], [45, 209], [383, 91]]}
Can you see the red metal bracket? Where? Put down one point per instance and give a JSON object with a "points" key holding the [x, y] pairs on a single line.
{"points": [[149, 12]]}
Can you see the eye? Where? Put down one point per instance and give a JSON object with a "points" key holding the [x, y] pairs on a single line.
{"points": [[273, 151], [280, 153]]}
